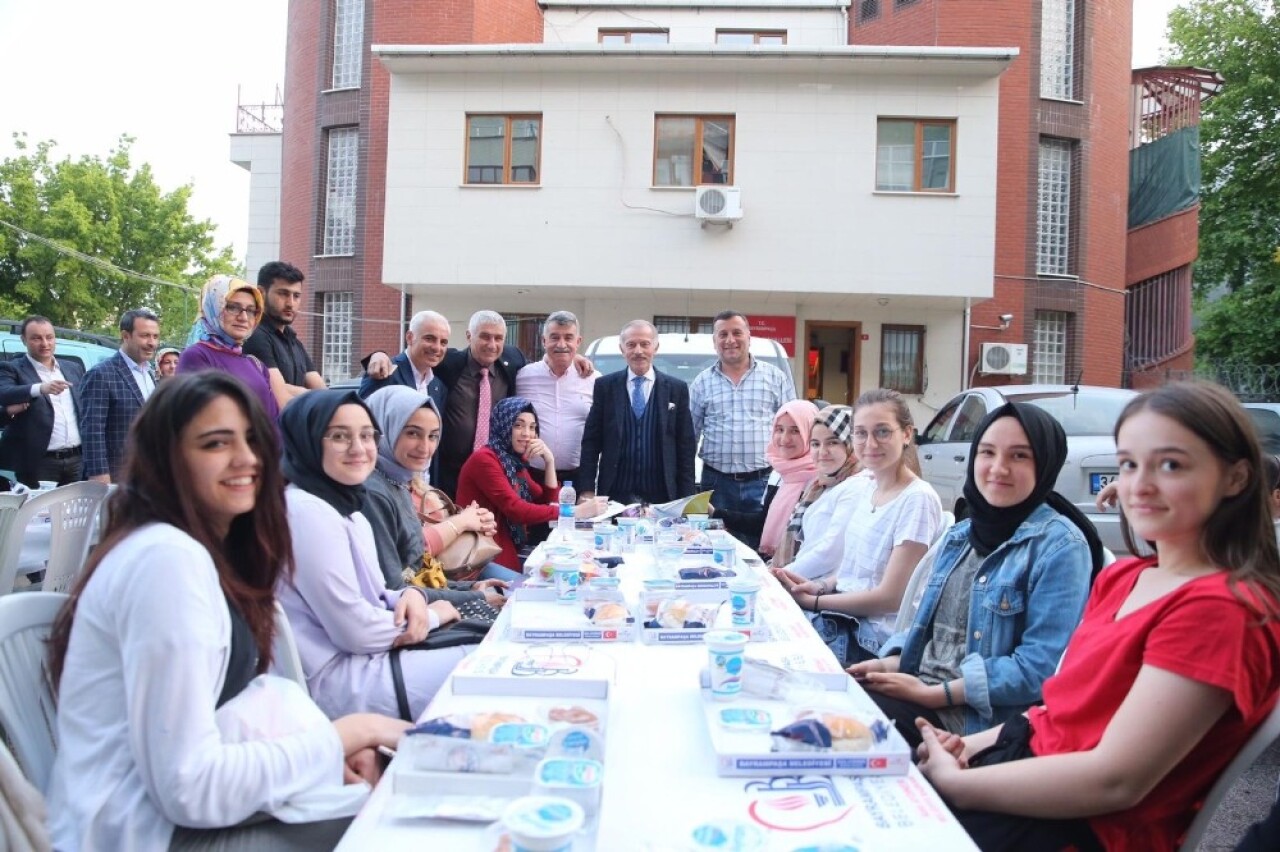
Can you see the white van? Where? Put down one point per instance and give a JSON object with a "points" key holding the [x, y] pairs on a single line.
{"points": [[682, 355]]}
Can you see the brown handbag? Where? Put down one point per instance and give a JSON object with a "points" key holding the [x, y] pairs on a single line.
{"points": [[466, 555]]}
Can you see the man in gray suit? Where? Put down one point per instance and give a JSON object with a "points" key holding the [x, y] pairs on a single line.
{"points": [[41, 439]]}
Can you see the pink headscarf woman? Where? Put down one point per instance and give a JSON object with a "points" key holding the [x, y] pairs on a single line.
{"points": [[789, 456]]}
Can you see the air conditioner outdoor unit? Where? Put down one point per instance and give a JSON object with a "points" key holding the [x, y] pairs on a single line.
{"points": [[717, 203], [1004, 359]]}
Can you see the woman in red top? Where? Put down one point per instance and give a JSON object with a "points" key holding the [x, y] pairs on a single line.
{"points": [[498, 478], [1173, 667]]}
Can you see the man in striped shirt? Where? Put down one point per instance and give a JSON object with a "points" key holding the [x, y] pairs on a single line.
{"points": [[733, 404]]}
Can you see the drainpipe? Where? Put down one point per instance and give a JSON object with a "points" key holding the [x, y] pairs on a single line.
{"points": [[964, 351]]}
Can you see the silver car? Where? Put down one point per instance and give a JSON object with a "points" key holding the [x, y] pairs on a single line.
{"points": [[1087, 414]]}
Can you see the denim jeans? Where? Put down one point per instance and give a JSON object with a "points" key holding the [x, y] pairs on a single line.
{"points": [[494, 571], [728, 493]]}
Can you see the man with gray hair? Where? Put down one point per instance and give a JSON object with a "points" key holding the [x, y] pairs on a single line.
{"points": [[560, 396], [476, 378], [425, 345]]}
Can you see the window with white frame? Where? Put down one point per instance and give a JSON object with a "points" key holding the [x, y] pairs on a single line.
{"points": [[348, 43], [1058, 49], [1053, 208], [340, 191], [1049, 347], [335, 347]]}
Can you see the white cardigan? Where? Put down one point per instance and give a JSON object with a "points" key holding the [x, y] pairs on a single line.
{"points": [[139, 750]]}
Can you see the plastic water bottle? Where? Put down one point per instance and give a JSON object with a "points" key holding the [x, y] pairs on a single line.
{"points": [[568, 499]]}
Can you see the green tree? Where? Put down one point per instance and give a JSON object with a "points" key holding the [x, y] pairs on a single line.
{"points": [[110, 211], [1240, 202]]}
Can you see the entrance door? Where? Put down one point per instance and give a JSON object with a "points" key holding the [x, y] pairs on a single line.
{"points": [[832, 361]]}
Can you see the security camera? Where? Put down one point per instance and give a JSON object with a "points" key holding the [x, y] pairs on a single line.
{"points": [[1006, 318]]}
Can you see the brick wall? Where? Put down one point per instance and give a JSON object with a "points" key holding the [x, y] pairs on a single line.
{"points": [[1162, 245]]}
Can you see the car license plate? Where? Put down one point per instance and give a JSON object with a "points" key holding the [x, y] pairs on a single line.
{"points": [[1099, 481]]}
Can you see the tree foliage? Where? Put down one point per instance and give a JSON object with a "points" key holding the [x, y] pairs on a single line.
{"points": [[1240, 203], [111, 211]]}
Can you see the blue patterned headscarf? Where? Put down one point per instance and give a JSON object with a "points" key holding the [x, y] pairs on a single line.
{"points": [[501, 422], [213, 300]]}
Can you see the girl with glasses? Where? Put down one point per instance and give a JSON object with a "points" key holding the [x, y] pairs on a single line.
{"points": [[888, 530], [229, 312], [172, 621], [349, 626]]}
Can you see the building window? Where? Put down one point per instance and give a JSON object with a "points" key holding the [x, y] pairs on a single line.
{"points": [[348, 43], [634, 36], [683, 325], [1058, 49], [902, 358], [1053, 208], [868, 10], [682, 142], [1049, 348], [340, 191], [915, 155], [504, 149], [336, 344], [901, 3], [751, 36]]}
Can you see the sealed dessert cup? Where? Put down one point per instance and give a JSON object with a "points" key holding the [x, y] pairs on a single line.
{"points": [[724, 657], [542, 823], [742, 600]]}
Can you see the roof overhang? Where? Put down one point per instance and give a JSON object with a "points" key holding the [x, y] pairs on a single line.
{"points": [[757, 59], [792, 6]]}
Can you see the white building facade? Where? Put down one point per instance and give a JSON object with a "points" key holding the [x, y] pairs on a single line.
{"points": [[529, 178]]}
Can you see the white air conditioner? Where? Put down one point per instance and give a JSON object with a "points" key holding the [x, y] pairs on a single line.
{"points": [[717, 203], [1004, 359]]}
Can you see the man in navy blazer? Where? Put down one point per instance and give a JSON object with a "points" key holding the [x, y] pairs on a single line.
{"points": [[638, 444], [113, 392], [41, 439], [425, 345]]}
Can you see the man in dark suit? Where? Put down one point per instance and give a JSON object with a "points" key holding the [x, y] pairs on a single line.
{"points": [[425, 345], [638, 444], [41, 439], [483, 372], [113, 392]]}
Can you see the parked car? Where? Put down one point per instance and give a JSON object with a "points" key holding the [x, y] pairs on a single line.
{"points": [[1087, 414], [1266, 419], [80, 346], [682, 355]]}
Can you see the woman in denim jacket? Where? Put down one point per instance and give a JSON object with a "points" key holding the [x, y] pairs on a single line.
{"points": [[1008, 587]]}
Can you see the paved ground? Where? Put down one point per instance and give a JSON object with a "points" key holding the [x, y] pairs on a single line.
{"points": [[1249, 801]]}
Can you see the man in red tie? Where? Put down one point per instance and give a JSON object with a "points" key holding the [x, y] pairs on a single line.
{"points": [[477, 377]]}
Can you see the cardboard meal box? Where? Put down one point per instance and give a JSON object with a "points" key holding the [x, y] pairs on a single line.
{"points": [[819, 664], [535, 620], [745, 747], [554, 670], [723, 620]]}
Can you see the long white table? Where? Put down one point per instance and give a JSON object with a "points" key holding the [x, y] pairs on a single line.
{"points": [[660, 776]]}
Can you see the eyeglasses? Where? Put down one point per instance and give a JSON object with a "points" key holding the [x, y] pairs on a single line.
{"points": [[880, 433], [342, 439], [236, 310]]}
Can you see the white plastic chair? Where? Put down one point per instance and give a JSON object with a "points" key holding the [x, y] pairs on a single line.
{"points": [[27, 707], [285, 660], [72, 509], [10, 503], [1268, 732]]}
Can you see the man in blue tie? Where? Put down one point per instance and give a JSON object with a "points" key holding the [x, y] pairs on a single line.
{"points": [[638, 444]]}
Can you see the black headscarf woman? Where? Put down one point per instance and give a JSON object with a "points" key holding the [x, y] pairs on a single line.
{"points": [[990, 527], [303, 425]]}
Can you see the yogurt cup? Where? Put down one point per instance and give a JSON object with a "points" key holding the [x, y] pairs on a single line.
{"points": [[742, 600], [566, 574], [724, 553], [604, 537], [725, 661], [628, 532], [542, 823], [726, 836], [576, 779]]}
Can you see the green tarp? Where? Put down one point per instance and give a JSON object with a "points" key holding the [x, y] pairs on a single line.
{"points": [[1164, 176]]}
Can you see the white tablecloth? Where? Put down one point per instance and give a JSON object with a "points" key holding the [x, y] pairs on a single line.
{"points": [[660, 776]]}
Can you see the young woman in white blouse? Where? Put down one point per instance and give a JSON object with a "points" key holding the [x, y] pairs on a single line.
{"points": [[889, 529], [170, 620]]}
